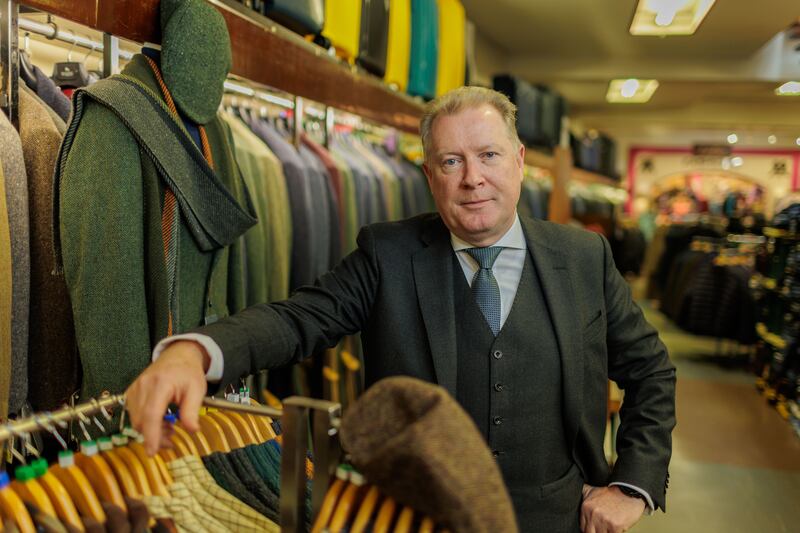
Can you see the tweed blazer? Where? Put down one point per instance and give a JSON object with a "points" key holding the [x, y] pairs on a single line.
{"points": [[17, 205], [54, 367], [5, 302], [397, 289]]}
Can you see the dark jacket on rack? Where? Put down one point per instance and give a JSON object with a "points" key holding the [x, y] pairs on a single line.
{"points": [[122, 149], [53, 364], [397, 288]]}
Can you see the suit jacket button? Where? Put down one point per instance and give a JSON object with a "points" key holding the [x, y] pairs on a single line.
{"points": [[497, 420], [498, 387], [497, 354]]}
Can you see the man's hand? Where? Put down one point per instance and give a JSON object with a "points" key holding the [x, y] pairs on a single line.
{"points": [[608, 510], [178, 376]]}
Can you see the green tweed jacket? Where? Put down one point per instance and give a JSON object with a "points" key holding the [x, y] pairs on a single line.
{"points": [[121, 147]]}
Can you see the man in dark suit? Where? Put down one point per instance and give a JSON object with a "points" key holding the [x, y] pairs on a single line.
{"points": [[522, 321]]}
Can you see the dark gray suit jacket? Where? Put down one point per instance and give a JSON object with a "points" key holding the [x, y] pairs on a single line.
{"points": [[397, 289]]}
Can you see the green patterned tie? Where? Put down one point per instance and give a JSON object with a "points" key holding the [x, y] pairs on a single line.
{"points": [[484, 285]]}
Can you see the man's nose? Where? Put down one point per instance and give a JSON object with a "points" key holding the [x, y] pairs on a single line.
{"points": [[472, 174]]}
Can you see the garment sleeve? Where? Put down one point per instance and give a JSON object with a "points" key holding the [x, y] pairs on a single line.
{"points": [[102, 235], [315, 317], [638, 362]]}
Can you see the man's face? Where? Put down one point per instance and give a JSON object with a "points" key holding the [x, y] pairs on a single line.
{"points": [[475, 173]]}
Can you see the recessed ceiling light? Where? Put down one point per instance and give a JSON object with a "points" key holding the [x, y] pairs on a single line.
{"points": [[790, 88], [772, 139], [797, 141], [669, 17], [737, 161], [733, 138], [630, 91]]}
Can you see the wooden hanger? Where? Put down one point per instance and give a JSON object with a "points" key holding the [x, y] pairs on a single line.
{"points": [[383, 522], [13, 509], [78, 487], [244, 429], [264, 423], [135, 467], [151, 469], [58, 495], [119, 469], [100, 476], [214, 434], [184, 438], [29, 490], [366, 510], [345, 507], [180, 449], [166, 477], [167, 455], [405, 520], [230, 430], [427, 525], [197, 439], [328, 505]]}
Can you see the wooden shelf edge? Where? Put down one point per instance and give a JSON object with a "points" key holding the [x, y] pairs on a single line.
{"points": [[263, 52], [538, 159]]}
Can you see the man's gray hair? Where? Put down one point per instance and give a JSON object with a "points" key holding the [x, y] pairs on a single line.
{"points": [[456, 100]]}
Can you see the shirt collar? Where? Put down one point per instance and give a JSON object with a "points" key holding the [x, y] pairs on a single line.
{"points": [[513, 238]]}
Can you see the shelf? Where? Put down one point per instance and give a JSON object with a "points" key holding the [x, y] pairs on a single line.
{"points": [[770, 338], [263, 52], [538, 159]]}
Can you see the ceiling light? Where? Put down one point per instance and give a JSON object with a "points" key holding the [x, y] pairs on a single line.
{"points": [[772, 139], [737, 161], [630, 91], [790, 88], [797, 141], [733, 138], [669, 17]]}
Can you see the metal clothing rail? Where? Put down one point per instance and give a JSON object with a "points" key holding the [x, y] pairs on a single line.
{"points": [[297, 414]]}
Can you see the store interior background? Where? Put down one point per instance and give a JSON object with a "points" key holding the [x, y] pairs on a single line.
{"points": [[736, 458]]}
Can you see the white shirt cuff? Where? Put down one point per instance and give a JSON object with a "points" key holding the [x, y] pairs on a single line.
{"points": [[648, 499], [217, 365]]}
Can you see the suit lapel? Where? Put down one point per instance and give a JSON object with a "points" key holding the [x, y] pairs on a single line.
{"points": [[554, 273], [433, 277]]}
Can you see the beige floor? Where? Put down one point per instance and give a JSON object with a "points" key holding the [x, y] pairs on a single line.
{"points": [[736, 463]]}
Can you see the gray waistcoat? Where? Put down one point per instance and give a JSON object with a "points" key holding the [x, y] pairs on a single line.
{"points": [[511, 386]]}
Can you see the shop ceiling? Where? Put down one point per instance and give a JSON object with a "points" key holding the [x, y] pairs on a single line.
{"points": [[723, 77]]}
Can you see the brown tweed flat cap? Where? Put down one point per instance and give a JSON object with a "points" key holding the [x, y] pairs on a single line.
{"points": [[416, 444]]}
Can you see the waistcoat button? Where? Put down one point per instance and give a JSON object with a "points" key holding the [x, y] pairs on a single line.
{"points": [[497, 354]]}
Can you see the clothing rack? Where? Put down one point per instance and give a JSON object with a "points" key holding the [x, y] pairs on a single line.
{"points": [[295, 417]]}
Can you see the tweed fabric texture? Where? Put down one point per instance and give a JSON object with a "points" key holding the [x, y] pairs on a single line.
{"points": [[182, 493], [484, 285], [6, 287], [195, 52], [207, 481], [53, 363], [226, 477], [414, 442], [58, 122], [17, 205], [252, 481], [219, 509]]}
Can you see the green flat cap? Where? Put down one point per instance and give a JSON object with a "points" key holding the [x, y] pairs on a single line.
{"points": [[195, 56]]}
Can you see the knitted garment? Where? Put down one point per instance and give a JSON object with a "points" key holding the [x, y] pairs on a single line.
{"points": [[5, 302], [109, 232], [414, 442]]}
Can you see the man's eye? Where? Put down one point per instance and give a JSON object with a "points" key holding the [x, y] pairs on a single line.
{"points": [[490, 155], [450, 162]]}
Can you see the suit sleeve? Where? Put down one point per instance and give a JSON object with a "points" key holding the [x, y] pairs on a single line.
{"points": [[638, 362], [314, 318]]}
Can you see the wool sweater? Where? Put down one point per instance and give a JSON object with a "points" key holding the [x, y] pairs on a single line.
{"points": [[109, 222], [5, 301]]}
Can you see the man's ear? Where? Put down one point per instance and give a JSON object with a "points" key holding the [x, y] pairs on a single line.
{"points": [[427, 171]]}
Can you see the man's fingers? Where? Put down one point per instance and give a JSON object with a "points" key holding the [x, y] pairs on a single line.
{"points": [[152, 417], [190, 406]]}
